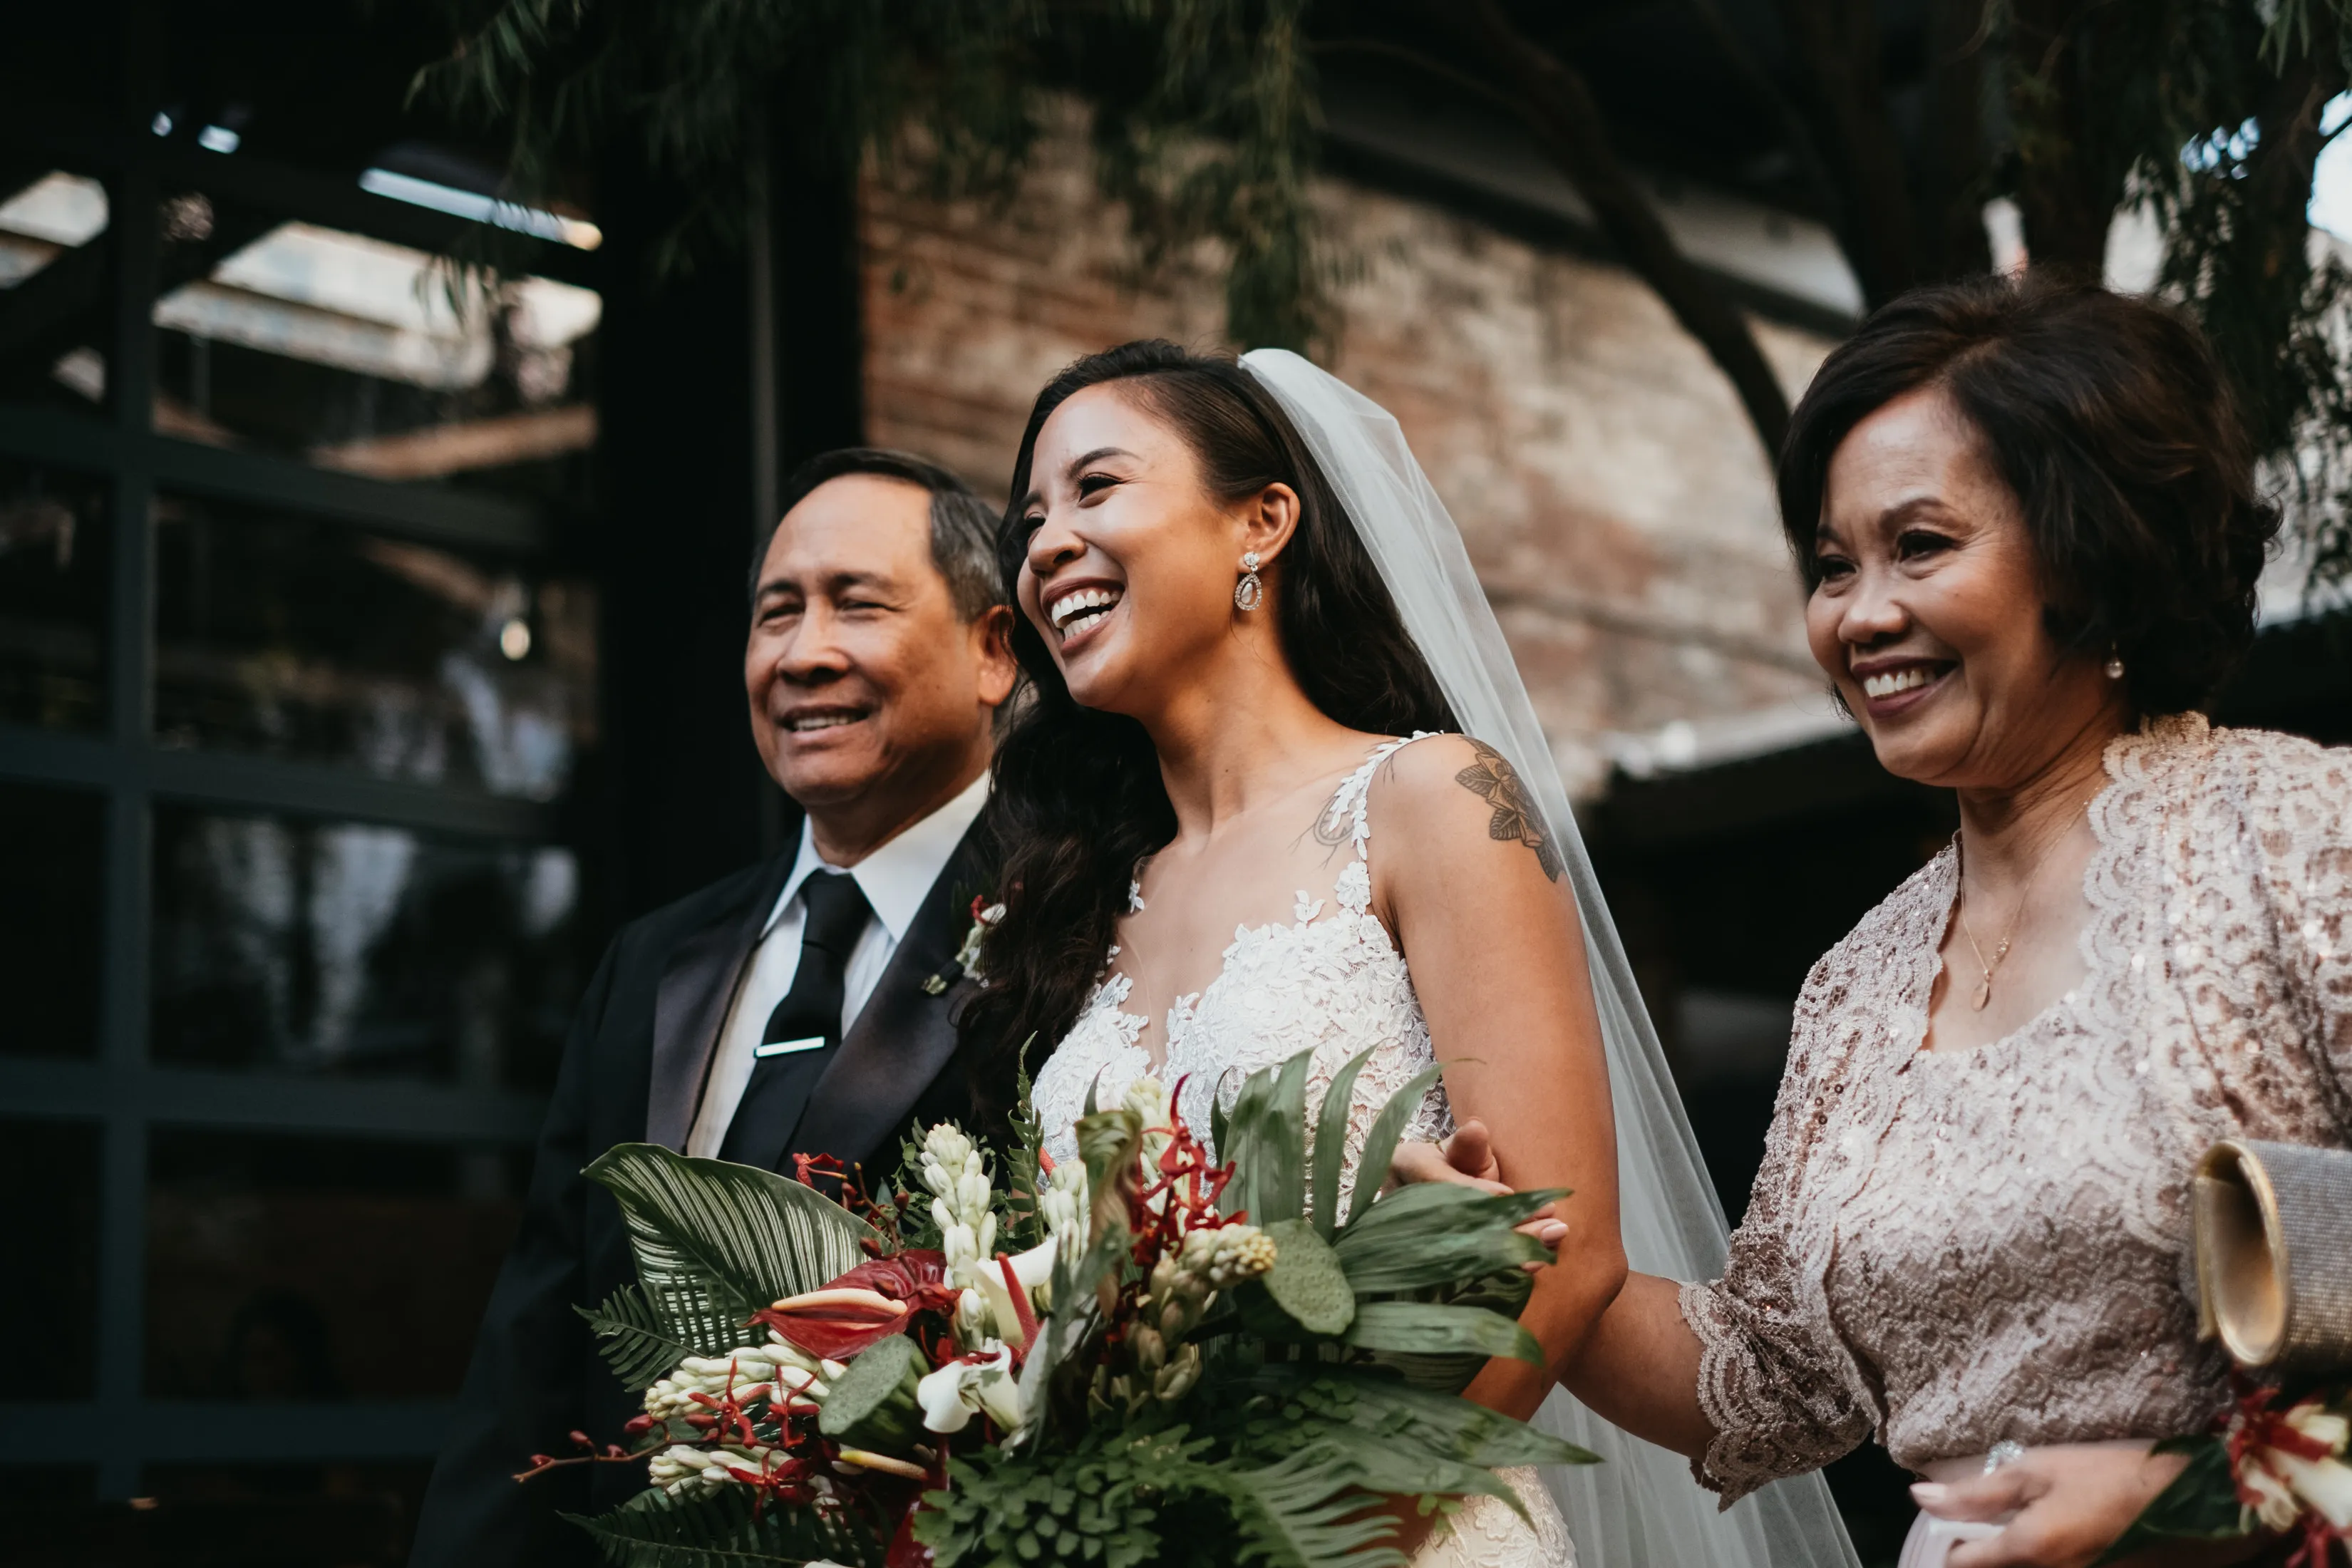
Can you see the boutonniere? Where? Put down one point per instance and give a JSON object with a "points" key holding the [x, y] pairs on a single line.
{"points": [[967, 959], [983, 916]]}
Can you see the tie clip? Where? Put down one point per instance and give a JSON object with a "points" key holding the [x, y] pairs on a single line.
{"points": [[789, 1047]]}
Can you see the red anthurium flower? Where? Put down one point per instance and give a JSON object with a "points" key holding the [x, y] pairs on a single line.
{"points": [[865, 1306]]}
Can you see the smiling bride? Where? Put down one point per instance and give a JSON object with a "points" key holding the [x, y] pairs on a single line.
{"points": [[1279, 791]]}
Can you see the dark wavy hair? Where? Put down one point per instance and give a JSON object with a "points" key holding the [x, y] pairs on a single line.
{"points": [[2113, 423], [1078, 799]]}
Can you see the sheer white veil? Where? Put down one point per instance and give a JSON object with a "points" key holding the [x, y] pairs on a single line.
{"points": [[1639, 1507]]}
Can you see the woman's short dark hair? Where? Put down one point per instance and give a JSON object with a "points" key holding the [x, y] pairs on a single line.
{"points": [[1078, 799], [2113, 423], [963, 529]]}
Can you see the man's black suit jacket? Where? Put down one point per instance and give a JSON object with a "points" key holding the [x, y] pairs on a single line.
{"points": [[633, 1071]]}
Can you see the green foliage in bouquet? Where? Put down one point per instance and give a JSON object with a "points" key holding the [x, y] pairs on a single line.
{"points": [[1149, 1358]]}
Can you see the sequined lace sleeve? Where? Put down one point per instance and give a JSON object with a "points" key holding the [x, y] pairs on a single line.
{"points": [[1773, 1381], [2297, 803]]}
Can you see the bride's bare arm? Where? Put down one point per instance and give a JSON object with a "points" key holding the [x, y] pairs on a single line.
{"points": [[1467, 877]]}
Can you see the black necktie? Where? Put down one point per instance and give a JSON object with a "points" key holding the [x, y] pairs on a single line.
{"points": [[804, 1031]]}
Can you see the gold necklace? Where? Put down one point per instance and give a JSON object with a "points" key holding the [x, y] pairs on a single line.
{"points": [[1984, 997]]}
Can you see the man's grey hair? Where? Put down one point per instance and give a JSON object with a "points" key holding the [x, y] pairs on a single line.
{"points": [[963, 528]]}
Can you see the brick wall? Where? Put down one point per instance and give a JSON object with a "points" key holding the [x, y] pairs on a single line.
{"points": [[1613, 497]]}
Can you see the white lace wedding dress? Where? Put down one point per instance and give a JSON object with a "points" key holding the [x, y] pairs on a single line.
{"points": [[1334, 982]]}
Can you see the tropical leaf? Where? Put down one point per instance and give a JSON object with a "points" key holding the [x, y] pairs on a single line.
{"points": [[1380, 1144], [653, 1530], [1426, 1328], [1413, 1420], [1434, 1233], [1331, 1144], [1302, 1511], [1306, 1281], [717, 1242], [1265, 1139], [632, 1339]]}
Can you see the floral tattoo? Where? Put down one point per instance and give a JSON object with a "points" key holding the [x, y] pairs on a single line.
{"points": [[1514, 817]]}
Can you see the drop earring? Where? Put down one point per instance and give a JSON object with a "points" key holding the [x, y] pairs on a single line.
{"points": [[2115, 665], [1249, 592]]}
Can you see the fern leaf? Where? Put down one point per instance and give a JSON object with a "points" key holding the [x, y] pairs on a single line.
{"points": [[632, 1340], [1437, 1234]]}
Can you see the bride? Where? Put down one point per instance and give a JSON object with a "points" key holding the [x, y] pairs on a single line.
{"points": [[1272, 794]]}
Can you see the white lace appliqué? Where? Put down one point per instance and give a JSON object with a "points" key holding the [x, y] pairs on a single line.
{"points": [[1331, 981]]}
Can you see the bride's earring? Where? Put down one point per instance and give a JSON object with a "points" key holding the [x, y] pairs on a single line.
{"points": [[2115, 665], [1249, 592]]}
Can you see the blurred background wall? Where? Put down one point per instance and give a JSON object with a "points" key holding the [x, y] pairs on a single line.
{"points": [[370, 649]]}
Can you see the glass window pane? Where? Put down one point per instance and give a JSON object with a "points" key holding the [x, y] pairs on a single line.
{"points": [[53, 554], [298, 1269], [335, 1515], [56, 293], [49, 1176], [355, 354], [315, 640], [336, 948], [52, 866]]}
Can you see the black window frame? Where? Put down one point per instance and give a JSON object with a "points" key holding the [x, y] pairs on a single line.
{"points": [[120, 1432]]}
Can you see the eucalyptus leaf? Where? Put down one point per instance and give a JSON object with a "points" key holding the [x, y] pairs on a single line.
{"points": [[872, 1406]]}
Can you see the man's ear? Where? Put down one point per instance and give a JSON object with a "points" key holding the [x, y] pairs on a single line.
{"points": [[992, 645], [1269, 519]]}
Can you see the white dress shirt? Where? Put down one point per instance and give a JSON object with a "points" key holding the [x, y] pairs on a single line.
{"points": [[894, 878]]}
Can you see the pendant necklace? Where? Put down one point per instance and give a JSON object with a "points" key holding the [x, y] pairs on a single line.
{"points": [[1984, 997]]}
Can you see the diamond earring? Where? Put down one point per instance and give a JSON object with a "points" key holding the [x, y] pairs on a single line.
{"points": [[2115, 665], [1249, 592]]}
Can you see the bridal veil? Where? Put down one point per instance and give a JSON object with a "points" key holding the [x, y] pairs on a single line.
{"points": [[1640, 1508]]}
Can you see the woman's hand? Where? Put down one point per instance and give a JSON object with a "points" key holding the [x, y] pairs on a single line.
{"points": [[1467, 1160], [2070, 1501]]}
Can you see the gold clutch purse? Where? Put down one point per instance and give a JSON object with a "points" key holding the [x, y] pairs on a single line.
{"points": [[2275, 1254]]}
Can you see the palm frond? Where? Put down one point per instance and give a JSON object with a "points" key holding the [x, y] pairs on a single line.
{"points": [[1429, 1328], [1434, 1233], [1415, 1420], [633, 1339], [1265, 1138], [717, 1242], [1331, 1144], [1379, 1144]]}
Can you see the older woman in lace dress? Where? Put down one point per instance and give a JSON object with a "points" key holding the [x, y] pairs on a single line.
{"points": [[2028, 520]]}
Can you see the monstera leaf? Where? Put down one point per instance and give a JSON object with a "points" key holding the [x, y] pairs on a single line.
{"points": [[716, 1242]]}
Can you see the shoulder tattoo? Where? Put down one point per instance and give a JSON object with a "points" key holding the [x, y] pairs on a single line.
{"points": [[1493, 780]]}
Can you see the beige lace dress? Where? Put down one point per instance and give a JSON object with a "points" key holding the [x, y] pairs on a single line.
{"points": [[1951, 1250]]}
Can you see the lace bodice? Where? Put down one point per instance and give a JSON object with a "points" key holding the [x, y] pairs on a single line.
{"points": [[1331, 981], [1956, 1248]]}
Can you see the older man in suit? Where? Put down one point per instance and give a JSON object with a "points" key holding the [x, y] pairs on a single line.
{"points": [[801, 1006]]}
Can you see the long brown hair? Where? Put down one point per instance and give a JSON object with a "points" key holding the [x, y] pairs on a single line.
{"points": [[1079, 800]]}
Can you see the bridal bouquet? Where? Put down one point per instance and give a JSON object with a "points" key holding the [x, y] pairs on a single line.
{"points": [[1142, 1358], [2274, 1464]]}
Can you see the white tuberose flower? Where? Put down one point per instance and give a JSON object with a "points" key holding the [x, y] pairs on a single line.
{"points": [[951, 1394]]}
